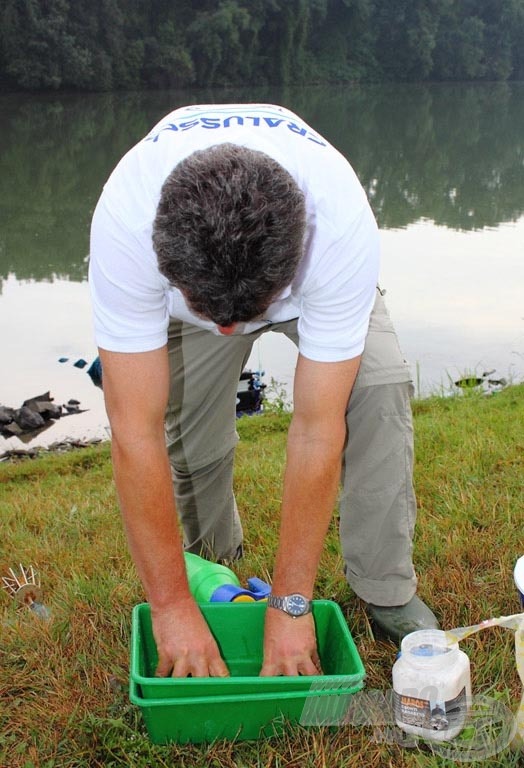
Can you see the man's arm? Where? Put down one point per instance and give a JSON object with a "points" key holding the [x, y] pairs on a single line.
{"points": [[136, 390], [316, 441]]}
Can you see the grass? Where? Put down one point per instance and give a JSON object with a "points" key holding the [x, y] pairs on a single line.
{"points": [[63, 683]]}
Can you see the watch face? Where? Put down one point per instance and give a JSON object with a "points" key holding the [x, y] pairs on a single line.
{"points": [[296, 605]]}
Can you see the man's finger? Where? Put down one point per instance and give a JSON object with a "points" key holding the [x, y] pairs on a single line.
{"points": [[198, 667], [309, 667], [217, 668], [181, 668], [164, 667], [184, 666], [269, 670], [292, 668]]}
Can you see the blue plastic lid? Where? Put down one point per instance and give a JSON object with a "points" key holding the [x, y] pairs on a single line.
{"points": [[428, 649]]}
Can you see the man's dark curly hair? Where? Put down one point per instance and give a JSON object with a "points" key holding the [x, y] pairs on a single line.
{"points": [[229, 231]]}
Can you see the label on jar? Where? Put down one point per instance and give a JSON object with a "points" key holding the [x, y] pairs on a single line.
{"points": [[432, 714]]}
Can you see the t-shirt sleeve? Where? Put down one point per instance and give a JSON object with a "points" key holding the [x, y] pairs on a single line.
{"points": [[339, 294], [128, 294]]}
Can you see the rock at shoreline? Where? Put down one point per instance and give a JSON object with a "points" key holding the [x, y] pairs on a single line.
{"points": [[44, 406], [34, 415], [18, 454], [6, 415], [28, 419]]}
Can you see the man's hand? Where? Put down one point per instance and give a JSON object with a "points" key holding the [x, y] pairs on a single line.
{"points": [[290, 646], [185, 644]]}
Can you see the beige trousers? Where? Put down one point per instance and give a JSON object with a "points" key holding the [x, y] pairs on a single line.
{"points": [[377, 502]]}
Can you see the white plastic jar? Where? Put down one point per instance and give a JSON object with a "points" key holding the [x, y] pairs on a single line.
{"points": [[431, 685], [518, 574]]}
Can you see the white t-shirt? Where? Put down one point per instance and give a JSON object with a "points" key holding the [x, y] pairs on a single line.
{"points": [[333, 291]]}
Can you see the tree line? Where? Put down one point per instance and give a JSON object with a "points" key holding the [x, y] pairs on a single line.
{"points": [[103, 45]]}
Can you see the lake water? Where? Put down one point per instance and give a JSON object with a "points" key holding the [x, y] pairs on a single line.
{"points": [[443, 166]]}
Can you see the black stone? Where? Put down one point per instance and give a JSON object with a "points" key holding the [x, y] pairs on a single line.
{"points": [[6, 415], [29, 419]]}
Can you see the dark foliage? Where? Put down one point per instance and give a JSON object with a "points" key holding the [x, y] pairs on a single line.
{"points": [[127, 44]]}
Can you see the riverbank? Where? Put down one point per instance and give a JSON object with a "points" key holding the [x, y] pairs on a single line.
{"points": [[63, 682]]}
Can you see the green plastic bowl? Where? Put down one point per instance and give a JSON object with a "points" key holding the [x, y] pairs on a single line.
{"points": [[244, 705]]}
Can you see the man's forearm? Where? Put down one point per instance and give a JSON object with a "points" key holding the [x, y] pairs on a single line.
{"points": [[144, 485], [310, 491], [184, 643]]}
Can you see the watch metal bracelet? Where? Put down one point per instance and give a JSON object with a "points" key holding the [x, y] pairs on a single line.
{"points": [[294, 605]]}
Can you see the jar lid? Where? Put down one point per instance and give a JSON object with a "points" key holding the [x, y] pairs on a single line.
{"points": [[429, 649], [428, 643], [518, 575]]}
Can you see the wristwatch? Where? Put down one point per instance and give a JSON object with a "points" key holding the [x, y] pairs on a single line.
{"points": [[295, 605]]}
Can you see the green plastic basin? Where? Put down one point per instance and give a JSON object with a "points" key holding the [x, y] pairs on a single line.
{"points": [[244, 705]]}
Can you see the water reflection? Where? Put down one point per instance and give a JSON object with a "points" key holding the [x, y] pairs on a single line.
{"points": [[443, 166], [456, 299], [452, 154]]}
